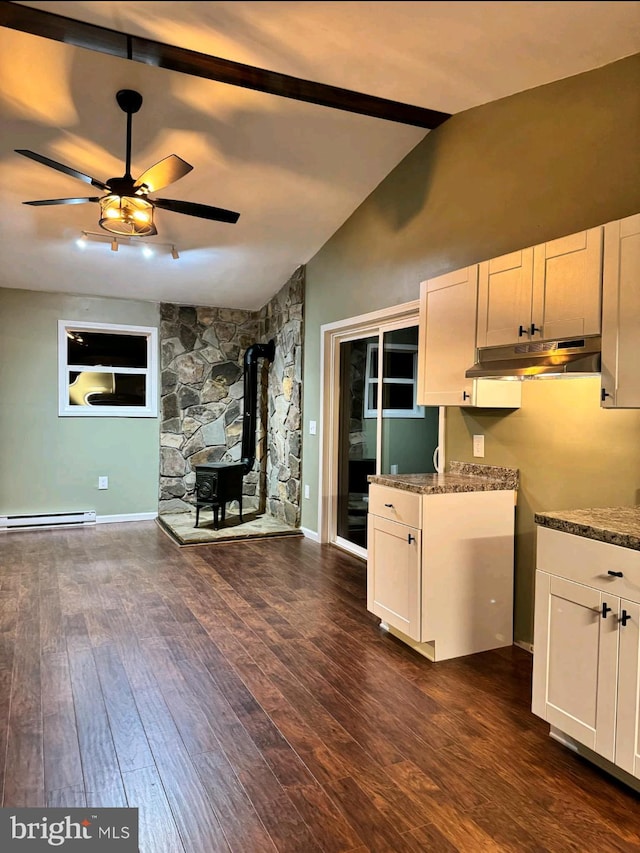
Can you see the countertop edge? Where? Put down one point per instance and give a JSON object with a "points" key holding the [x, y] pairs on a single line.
{"points": [[480, 484], [462, 477], [588, 531]]}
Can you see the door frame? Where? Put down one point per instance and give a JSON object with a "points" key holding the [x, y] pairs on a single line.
{"points": [[332, 335]]}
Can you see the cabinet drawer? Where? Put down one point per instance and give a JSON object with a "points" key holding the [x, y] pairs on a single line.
{"points": [[395, 504], [589, 561]]}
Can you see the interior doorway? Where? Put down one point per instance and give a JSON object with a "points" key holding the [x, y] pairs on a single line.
{"points": [[372, 423]]}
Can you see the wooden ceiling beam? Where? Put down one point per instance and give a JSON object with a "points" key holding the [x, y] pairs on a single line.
{"points": [[155, 53]]}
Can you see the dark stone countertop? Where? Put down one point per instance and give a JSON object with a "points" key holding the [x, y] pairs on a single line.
{"points": [[461, 477], [617, 525]]}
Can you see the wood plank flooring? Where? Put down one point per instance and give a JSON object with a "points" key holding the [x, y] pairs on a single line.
{"points": [[244, 700]]}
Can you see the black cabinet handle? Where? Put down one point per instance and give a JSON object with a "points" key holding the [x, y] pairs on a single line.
{"points": [[615, 574], [466, 396], [389, 505], [625, 618], [605, 609], [534, 329], [521, 331], [603, 395], [410, 538]]}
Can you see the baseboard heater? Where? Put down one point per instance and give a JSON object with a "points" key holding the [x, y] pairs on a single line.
{"points": [[53, 519]]}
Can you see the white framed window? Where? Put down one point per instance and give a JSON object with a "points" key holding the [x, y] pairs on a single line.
{"points": [[107, 370], [399, 382]]}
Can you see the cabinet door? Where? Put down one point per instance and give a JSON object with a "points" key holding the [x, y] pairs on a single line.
{"points": [[567, 276], [621, 314], [447, 346], [628, 717], [504, 299], [447, 338], [575, 661], [393, 574]]}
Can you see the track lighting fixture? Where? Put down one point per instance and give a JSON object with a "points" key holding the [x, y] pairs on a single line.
{"points": [[148, 249]]}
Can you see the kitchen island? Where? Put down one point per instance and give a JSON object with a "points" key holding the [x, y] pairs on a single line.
{"points": [[440, 558]]}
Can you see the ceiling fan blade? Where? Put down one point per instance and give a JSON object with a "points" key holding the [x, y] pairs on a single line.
{"points": [[163, 173], [204, 211], [61, 201], [66, 170]]}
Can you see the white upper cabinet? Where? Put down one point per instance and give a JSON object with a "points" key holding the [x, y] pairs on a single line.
{"points": [[504, 299], [542, 293], [621, 314], [567, 279], [447, 348]]}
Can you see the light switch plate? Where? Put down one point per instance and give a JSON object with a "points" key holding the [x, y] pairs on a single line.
{"points": [[312, 427], [478, 445]]}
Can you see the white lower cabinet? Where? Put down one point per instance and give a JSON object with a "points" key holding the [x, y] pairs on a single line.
{"points": [[587, 644], [628, 716], [394, 595], [440, 568]]}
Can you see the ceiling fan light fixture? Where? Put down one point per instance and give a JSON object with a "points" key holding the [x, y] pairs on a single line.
{"points": [[127, 216]]}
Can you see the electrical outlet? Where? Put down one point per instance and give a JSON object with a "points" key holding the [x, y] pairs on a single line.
{"points": [[306, 491], [478, 445], [103, 482], [312, 427]]}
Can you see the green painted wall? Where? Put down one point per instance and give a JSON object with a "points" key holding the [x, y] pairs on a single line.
{"points": [[50, 464], [406, 442], [537, 165], [570, 452]]}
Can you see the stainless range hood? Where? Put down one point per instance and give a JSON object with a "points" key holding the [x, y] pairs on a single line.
{"points": [[572, 356]]}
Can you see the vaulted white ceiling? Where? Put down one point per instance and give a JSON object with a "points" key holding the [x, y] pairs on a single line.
{"points": [[294, 171]]}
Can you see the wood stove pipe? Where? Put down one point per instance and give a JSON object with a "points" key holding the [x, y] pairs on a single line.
{"points": [[251, 356]]}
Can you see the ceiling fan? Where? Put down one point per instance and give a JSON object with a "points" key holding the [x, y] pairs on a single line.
{"points": [[126, 208]]}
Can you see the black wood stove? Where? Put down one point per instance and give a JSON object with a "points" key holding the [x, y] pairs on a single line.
{"points": [[216, 485], [220, 482]]}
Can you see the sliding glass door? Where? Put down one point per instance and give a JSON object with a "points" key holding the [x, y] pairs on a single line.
{"points": [[357, 441], [380, 428], [409, 432]]}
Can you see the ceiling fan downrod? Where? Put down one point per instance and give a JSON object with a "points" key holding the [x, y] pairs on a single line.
{"points": [[129, 102]]}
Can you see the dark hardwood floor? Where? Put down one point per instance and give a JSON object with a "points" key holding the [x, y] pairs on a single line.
{"points": [[243, 699]]}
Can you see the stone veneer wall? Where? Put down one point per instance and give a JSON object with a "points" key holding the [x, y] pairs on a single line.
{"points": [[282, 320], [202, 352]]}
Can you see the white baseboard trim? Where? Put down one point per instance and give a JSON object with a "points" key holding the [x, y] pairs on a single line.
{"points": [[528, 647], [132, 516], [615, 771], [310, 534], [355, 550]]}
